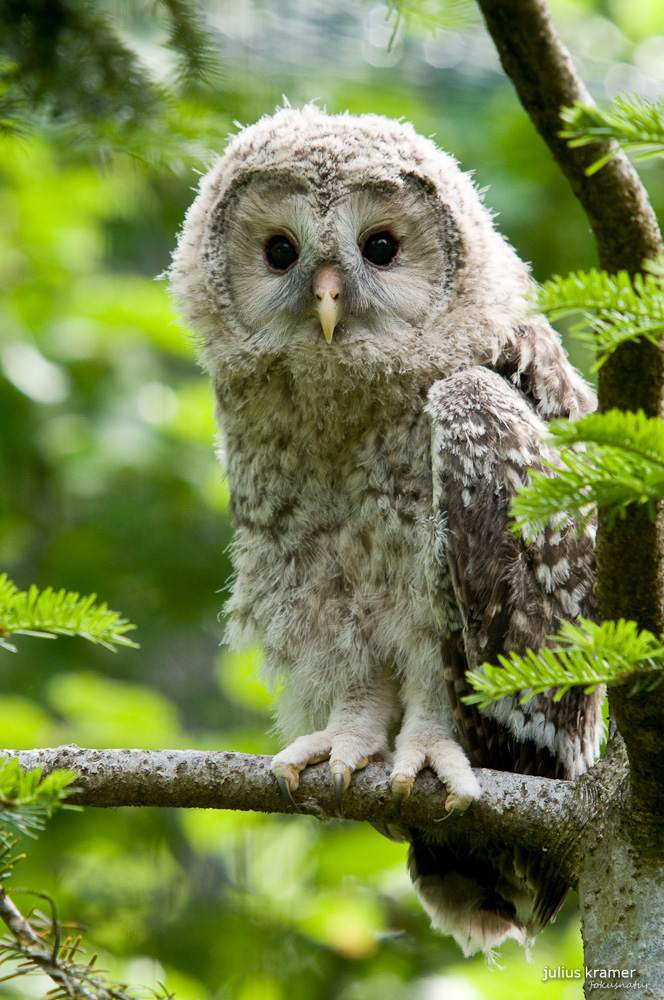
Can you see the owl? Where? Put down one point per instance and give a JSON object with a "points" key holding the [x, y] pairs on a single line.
{"points": [[382, 390]]}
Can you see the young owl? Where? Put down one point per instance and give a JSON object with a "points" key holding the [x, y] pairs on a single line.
{"points": [[382, 392]]}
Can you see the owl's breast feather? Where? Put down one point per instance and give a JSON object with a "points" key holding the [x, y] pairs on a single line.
{"points": [[331, 543]]}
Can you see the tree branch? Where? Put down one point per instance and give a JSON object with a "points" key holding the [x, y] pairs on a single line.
{"points": [[35, 951], [534, 812]]}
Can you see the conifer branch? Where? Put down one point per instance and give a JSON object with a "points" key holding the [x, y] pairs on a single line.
{"points": [[512, 807], [630, 121], [48, 613], [33, 940], [27, 799], [73, 76], [584, 654], [190, 40], [621, 465], [453, 14], [614, 308], [527, 810]]}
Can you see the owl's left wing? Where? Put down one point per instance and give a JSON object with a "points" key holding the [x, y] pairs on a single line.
{"points": [[508, 596], [535, 363], [486, 437]]}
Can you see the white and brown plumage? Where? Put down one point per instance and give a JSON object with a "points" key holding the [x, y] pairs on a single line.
{"points": [[381, 392]]}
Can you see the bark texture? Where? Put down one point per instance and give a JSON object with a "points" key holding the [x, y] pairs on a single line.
{"points": [[624, 881], [513, 808]]}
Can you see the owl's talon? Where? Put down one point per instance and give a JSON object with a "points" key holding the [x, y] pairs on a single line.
{"points": [[341, 775], [397, 802], [401, 789], [285, 790], [338, 781], [457, 803]]}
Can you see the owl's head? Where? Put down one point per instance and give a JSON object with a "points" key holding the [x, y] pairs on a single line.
{"points": [[342, 239]]}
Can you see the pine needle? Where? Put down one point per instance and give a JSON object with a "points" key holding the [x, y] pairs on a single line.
{"points": [[48, 613], [583, 654], [614, 308], [630, 122], [27, 799], [621, 464]]}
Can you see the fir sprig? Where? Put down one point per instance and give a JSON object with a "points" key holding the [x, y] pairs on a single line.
{"points": [[27, 799], [614, 308], [584, 655], [190, 40], [68, 71], [453, 14], [48, 613], [33, 945], [622, 464], [632, 122], [32, 942]]}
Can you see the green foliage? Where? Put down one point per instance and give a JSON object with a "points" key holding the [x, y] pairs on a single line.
{"points": [[583, 654], [615, 308], [27, 799], [40, 54], [48, 613], [32, 943], [68, 72], [621, 463], [36, 948], [631, 121], [432, 14], [189, 39]]}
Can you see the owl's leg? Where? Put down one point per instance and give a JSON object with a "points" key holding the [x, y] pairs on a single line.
{"points": [[356, 731], [426, 739]]}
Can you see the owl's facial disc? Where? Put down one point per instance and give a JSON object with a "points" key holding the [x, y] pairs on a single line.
{"points": [[328, 301], [364, 267]]}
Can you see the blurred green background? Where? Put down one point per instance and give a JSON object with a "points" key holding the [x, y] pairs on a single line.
{"points": [[108, 483]]}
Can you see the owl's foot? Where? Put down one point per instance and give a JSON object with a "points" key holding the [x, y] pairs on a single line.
{"points": [[447, 759], [348, 752]]}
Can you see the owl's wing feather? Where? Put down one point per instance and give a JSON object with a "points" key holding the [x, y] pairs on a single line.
{"points": [[486, 436], [535, 363], [511, 596]]}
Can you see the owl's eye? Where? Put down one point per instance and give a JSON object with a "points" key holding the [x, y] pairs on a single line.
{"points": [[280, 253], [381, 249]]}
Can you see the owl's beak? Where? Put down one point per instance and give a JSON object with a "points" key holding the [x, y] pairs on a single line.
{"points": [[327, 287]]}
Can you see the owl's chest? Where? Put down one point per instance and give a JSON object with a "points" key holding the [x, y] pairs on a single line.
{"points": [[316, 507]]}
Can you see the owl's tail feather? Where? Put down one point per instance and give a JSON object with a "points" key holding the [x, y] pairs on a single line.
{"points": [[485, 893]]}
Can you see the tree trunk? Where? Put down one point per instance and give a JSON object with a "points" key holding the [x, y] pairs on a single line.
{"points": [[621, 896]]}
